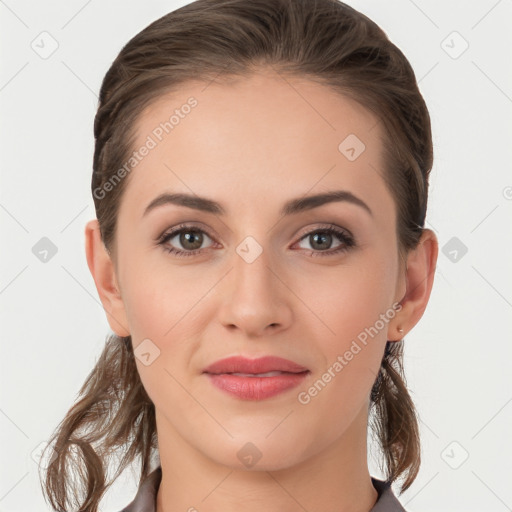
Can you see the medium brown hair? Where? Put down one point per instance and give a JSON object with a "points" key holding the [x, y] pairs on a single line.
{"points": [[323, 40]]}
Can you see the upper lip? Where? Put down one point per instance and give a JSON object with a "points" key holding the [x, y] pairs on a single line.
{"points": [[238, 364]]}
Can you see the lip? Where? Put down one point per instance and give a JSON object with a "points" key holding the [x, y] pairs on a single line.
{"points": [[239, 364], [248, 387]]}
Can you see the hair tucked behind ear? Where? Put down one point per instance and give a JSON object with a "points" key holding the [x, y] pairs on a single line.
{"points": [[323, 40], [113, 411]]}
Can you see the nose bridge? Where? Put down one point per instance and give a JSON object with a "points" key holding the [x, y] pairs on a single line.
{"points": [[254, 298], [252, 268]]}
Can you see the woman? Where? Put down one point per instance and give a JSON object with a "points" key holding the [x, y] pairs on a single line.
{"points": [[260, 182]]}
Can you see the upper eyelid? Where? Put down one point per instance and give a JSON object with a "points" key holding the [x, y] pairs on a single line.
{"points": [[183, 226]]}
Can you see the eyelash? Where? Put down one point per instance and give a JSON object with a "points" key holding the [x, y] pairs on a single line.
{"points": [[346, 239]]}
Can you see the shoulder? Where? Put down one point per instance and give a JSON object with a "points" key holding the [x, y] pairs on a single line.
{"points": [[387, 501]]}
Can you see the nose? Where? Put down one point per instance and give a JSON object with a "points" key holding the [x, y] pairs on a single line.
{"points": [[254, 298]]}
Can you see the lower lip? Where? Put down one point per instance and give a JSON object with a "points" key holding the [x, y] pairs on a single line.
{"points": [[256, 388]]}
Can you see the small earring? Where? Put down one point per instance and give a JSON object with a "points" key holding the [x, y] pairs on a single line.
{"points": [[400, 330]]}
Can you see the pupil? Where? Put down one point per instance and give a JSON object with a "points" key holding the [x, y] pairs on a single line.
{"points": [[325, 237], [188, 238]]}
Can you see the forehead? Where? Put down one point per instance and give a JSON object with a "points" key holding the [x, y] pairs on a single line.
{"points": [[264, 136]]}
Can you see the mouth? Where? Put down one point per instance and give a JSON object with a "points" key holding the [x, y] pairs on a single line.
{"points": [[255, 379]]}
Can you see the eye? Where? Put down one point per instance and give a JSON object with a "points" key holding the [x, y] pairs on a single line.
{"points": [[190, 238], [321, 240]]}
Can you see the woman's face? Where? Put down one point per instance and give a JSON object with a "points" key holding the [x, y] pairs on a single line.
{"points": [[259, 281]]}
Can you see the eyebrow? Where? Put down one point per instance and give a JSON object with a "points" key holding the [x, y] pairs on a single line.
{"points": [[291, 207]]}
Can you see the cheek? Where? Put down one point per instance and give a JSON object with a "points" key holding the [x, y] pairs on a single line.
{"points": [[354, 304], [166, 313], [160, 299], [167, 307], [357, 312], [350, 298]]}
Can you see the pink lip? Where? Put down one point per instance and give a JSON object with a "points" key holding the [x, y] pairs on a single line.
{"points": [[255, 388], [238, 364]]}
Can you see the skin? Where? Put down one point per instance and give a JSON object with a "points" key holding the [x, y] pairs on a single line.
{"points": [[251, 145]]}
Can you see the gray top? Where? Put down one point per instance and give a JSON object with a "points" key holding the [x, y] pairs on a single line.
{"points": [[145, 500]]}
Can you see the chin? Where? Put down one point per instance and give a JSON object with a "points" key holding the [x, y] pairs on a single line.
{"points": [[260, 454]]}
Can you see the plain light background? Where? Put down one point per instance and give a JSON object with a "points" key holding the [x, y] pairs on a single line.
{"points": [[53, 326]]}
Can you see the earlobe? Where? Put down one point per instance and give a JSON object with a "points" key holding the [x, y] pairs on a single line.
{"points": [[102, 271], [420, 270]]}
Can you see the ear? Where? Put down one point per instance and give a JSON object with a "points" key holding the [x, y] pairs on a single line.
{"points": [[102, 270], [419, 276]]}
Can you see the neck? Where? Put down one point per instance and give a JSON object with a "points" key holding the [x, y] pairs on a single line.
{"points": [[335, 479]]}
